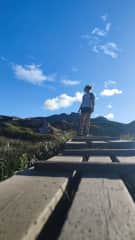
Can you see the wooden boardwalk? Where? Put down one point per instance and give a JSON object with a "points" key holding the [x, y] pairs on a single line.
{"points": [[85, 192]]}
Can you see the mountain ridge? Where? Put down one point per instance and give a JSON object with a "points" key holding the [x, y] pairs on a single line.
{"points": [[99, 125]]}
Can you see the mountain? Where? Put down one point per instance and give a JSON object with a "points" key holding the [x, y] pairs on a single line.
{"points": [[39, 125], [99, 126]]}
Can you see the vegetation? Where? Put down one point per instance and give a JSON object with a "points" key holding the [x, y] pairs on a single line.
{"points": [[19, 132], [127, 136], [21, 150]]}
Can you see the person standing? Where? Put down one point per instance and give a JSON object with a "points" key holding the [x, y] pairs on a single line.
{"points": [[86, 109]]}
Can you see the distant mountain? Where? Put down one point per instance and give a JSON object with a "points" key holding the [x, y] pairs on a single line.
{"points": [[99, 126], [65, 121]]}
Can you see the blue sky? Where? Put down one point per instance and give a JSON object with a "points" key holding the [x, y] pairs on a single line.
{"points": [[49, 50]]}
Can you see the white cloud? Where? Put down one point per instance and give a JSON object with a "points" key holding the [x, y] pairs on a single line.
{"points": [[99, 32], [110, 49], [68, 82], [108, 26], [109, 116], [62, 101], [95, 49], [109, 83], [104, 18], [96, 38], [31, 73], [111, 92], [109, 106]]}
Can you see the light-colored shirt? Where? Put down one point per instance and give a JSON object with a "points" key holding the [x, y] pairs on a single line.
{"points": [[87, 100]]}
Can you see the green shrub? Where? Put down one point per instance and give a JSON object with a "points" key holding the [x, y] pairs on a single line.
{"points": [[17, 154], [128, 136]]}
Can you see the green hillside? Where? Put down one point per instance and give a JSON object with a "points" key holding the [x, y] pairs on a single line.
{"points": [[21, 144]]}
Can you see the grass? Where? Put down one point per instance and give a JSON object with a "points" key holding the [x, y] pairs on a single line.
{"points": [[127, 136], [23, 133], [20, 151]]}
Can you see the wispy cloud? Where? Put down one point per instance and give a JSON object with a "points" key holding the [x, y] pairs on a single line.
{"points": [[109, 83], [102, 32], [110, 49], [31, 73], [111, 92], [68, 82], [104, 18], [95, 49], [62, 101], [108, 27], [98, 44], [99, 32], [109, 116]]}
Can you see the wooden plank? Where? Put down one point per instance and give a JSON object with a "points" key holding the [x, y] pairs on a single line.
{"points": [[26, 201], [65, 159], [102, 209], [126, 159], [99, 159]]}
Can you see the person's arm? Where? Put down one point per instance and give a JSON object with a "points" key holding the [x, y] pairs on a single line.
{"points": [[92, 101], [79, 108], [80, 105]]}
